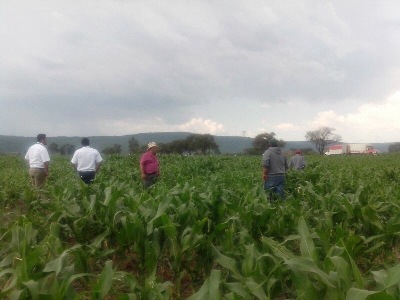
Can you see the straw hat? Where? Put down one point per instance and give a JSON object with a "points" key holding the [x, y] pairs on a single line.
{"points": [[151, 145]]}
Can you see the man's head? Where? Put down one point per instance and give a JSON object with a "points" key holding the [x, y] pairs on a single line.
{"points": [[152, 146], [273, 143], [41, 138], [85, 142], [298, 151]]}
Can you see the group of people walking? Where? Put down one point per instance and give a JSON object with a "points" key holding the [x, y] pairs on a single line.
{"points": [[275, 165], [86, 161]]}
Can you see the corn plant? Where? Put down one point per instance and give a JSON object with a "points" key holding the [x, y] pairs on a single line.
{"points": [[205, 230]]}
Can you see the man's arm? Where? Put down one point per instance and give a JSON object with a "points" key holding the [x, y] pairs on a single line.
{"points": [[265, 161], [46, 168], [99, 161], [142, 171], [74, 161], [265, 173]]}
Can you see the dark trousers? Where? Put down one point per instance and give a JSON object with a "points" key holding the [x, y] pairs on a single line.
{"points": [[275, 185], [87, 176], [150, 179]]}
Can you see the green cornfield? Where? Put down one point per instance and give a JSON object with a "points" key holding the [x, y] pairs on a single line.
{"points": [[206, 230]]}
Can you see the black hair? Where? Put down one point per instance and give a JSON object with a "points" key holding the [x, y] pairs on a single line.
{"points": [[40, 137], [273, 143], [85, 142]]}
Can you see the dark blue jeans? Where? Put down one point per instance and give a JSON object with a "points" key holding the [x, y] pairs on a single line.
{"points": [[275, 185], [87, 176], [150, 180]]}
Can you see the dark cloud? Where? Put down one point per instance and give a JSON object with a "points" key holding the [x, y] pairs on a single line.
{"points": [[138, 62]]}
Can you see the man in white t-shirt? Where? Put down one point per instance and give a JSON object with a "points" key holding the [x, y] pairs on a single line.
{"points": [[38, 159], [87, 161]]}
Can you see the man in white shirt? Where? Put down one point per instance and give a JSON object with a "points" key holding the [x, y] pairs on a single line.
{"points": [[87, 161], [38, 159]]}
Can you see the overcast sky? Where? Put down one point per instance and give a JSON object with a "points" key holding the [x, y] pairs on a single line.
{"points": [[118, 67]]}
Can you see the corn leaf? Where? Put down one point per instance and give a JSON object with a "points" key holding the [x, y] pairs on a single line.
{"points": [[238, 289], [227, 262], [307, 247], [256, 288], [359, 294], [210, 288], [215, 281], [388, 278], [104, 282], [308, 266]]}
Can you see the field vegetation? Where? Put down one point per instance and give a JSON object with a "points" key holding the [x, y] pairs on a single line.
{"points": [[205, 231]]}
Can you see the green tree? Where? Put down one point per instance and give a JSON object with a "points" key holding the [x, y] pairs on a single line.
{"points": [[133, 145], [67, 149], [53, 148], [394, 147], [204, 143], [261, 143], [116, 149], [322, 137], [177, 146]]}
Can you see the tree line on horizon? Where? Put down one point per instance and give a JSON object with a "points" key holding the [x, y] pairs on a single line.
{"points": [[194, 143], [205, 144]]}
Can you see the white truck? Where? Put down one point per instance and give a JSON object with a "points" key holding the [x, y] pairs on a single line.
{"points": [[351, 149]]}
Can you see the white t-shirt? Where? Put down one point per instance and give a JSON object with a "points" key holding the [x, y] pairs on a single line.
{"points": [[37, 155], [86, 159]]}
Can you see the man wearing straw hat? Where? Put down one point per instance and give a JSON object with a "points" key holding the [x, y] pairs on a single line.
{"points": [[149, 165]]}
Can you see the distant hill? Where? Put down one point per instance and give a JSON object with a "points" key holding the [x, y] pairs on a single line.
{"points": [[227, 144]]}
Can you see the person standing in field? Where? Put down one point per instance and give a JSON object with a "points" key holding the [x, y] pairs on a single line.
{"points": [[38, 159], [149, 165], [274, 165], [87, 161], [297, 162]]}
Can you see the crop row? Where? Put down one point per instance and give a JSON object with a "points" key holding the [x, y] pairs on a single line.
{"points": [[205, 231]]}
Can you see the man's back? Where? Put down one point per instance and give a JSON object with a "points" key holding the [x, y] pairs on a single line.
{"points": [[274, 160], [37, 154], [297, 162], [86, 158]]}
